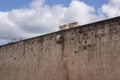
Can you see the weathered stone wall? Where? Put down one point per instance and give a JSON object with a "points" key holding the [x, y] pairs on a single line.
{"points": [[89, 52]]}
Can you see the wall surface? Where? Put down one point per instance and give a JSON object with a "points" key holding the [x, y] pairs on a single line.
{"points": [[88, 52]]}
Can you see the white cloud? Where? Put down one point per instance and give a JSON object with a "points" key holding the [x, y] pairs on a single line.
{"points": [[79, 11], [115, 2], [4, 41], [111, 9], [39, 18], [37, 3], [9, 29]]}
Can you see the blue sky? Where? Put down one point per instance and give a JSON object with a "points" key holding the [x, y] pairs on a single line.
{"points": [[95, 3], [6, 5], [21, 19]]}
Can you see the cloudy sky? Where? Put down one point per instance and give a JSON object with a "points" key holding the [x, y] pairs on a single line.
{"points": [[21, 19]]}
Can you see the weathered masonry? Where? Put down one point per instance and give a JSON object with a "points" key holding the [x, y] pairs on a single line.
{"points": [[88, 52]]}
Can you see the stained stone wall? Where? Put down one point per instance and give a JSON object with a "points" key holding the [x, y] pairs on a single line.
{"points": [[88, 52]]}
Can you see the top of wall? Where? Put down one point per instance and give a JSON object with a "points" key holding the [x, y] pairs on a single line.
{"points": [[81, 26]]}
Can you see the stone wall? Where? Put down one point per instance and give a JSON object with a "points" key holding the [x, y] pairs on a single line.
{"points": [[88, 52]]}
